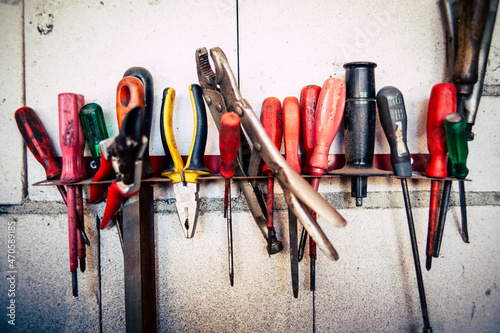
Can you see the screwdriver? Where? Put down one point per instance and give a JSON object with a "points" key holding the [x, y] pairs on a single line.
{"points": [[442, 102], [271, 118], [80, 221], [37, 140], [393, 119], [308, 102], [229, 143], [329, 113], [291, 132], [70, 142], [359, 123]]}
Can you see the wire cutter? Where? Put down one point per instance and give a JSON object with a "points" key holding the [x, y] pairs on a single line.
{"points": [[185, 177], [222, 95]]}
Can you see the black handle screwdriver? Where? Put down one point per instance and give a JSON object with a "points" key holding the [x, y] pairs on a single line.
{"points": [[393, 118]]}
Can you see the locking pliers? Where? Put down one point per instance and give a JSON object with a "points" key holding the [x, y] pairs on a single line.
{"points": [[222, 95]]}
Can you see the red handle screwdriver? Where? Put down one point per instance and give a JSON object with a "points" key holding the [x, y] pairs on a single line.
{"points": [[272, 121], [229, 143], [70, 142], [291, 112], [441, 103]]}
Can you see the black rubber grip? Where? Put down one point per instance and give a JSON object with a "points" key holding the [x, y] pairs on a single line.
{"points": [[197, 152]]}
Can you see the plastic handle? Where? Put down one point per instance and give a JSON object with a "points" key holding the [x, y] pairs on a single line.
{"points": [[70, 138], [195, 165], [308, 101], [94, 129], [229, 143], [441, 103], [271, 118], [392, 113], [470, 35], [37, 140], [329, 112], [129, 94], [291, 113], [174, 159], [456, 138]]}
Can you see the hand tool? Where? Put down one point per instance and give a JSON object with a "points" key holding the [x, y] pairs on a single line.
{"points": [[147, 80], [70, 142], [229, 143], [441, 103], [80, 221], [467, 54], [456, 138], [125, 152], [36, 139], [393, 118], [185, 177], [308, 101], [359, 123], [291, 131], [271, 118], [327, 119], [221, 93], [94, 128]]}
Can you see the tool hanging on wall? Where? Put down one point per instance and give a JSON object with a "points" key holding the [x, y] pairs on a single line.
{"points": [[359, 124], [71, 140], [37, 140], [185, 177], [467, 54], [308, 102], [221, 93], [441, 103], [229, 143], [393, 118], [291, 115], [271, 118]]}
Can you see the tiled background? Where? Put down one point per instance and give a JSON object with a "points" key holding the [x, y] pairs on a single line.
{"points": [[49, 47]]}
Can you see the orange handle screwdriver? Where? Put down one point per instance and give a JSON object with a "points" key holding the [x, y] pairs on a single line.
{"points": [[272, 121], [441, 103], [229, 143], [291, 113]]}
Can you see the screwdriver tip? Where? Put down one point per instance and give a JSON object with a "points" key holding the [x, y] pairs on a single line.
{"points": [[82, 265], [428, 263], [74, 284]]}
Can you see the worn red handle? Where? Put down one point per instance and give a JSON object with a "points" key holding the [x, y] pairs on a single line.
{"points": [[271, 118], [441, 103], [71, 138], [115, 199], [291, 114], [229, 143], [433, 208], [37, 140], [329, 112], [308, 101]]}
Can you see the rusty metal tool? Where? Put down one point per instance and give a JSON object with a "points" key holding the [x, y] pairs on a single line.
{"points": [[441, 103], [291, 131], [185, 177], [229, 143], [222, 94], [271, 118], [71, 142], [393, 118]]}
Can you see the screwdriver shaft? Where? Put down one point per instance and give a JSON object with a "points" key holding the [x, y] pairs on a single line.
{"points": [[416, 259], [445, 200], [431, 232], [230, 233], [463, 210]]}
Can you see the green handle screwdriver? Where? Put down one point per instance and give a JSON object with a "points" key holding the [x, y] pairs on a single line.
{"points": [[94, 128]]}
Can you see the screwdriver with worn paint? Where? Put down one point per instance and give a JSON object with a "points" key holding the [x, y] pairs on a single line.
{"points": [[392, 113], [271, 118], [229, 143], [291, 132], [441, 103]]}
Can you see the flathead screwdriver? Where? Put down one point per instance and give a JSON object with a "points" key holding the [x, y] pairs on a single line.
{"points": [[229, 143], [392, 113]]}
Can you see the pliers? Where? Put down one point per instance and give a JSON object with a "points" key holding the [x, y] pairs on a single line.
{"points": [[222, 95], [125, 152], [185, 177]]}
